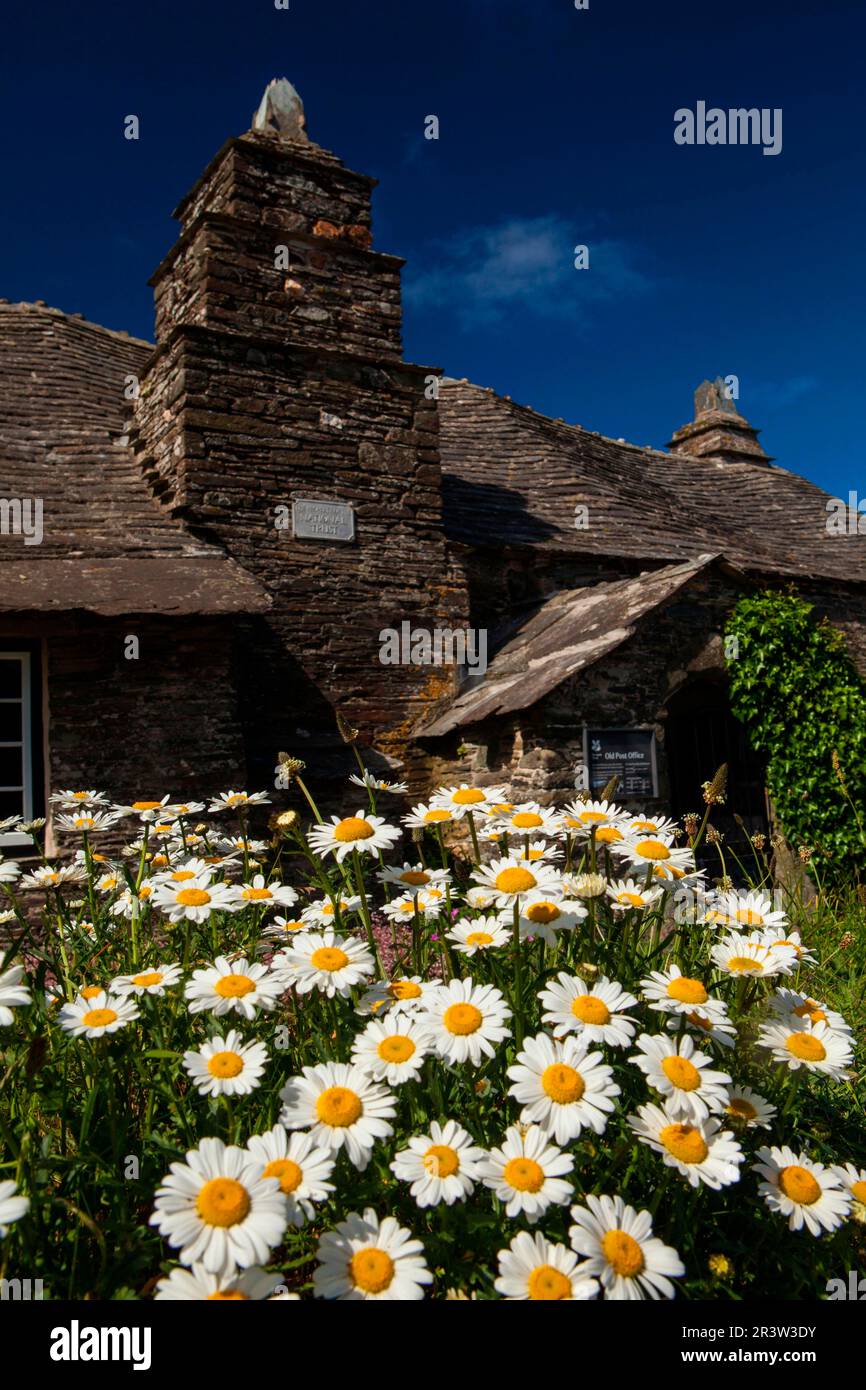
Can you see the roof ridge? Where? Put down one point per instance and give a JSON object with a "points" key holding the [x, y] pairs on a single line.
{"points": [[77, 319]]}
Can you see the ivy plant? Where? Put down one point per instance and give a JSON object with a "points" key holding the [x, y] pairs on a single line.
{"points": [[794, 686]]}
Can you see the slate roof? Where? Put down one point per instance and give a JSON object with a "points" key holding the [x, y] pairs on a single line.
{"points": [[108, 545], [513, 477], [571, 630]]}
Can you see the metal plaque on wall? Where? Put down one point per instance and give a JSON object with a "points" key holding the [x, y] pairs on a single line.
{"points": [[629, 752], [322, 521]]}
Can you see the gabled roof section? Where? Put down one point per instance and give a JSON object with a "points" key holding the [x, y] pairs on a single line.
{"points": [[107, 543], [572, 630], [513, 477]]}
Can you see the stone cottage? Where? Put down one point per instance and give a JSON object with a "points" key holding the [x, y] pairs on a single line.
{"points": [[204, 542]]}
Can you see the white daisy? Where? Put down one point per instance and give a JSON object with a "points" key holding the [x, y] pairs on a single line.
{"points": [[412, 878], [97, 1015], [482, 934], [746, 1109], [86, 822], [427, 817], [479, 899], [216, 1208], [852, 1180], [585, 815], [226, 1066], [13, 994], [651, 851], [747, 909], [155, 981], [527, 1173], [562, 1087], [234, 1285], [817, 1047], [69, 800], [404, 996], [442, 1166], [788, 1002], [363, 832], [406, 908], [808, 1193], [714, 1028], [512, 880], [324, 961], [672, 992], [283, 929], [228, 986], [194, 900], [533, 1268], [529, 819], [682, 1074], [627, 895], [365, 1258], [620, 1249], [784, 939], [12, 1206], [238, 801], [341, 1107], [48, 877], [323, 912], [700, 1152], [542, 849], [9, 870], [650, 825], [597, 1012], [746, 956], [459, 801], [542, 916], [301, 1167], [465, 1020], [259, 893], [393, 1051]]}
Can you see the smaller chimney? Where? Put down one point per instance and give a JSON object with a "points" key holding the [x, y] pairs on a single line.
{"points": [[281, 112], [718, 432]]}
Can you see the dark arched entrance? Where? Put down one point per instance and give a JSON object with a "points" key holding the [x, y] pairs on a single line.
{"points": [[701, 733]]}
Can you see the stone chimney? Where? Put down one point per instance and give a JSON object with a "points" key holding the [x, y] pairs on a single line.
{"points": [[718, 432]]}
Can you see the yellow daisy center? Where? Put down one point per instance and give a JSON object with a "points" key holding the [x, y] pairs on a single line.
{"points": [[404, 989], [353, 828], [441, 1161], [181, 875], [329, 958], [592, 817], [547, 1284], [371, 1270], [681, 1073], [562, 1083], [145, 805], [338, 1107], [631, 899], [543, 912], [223, 1202], [644, 826], [806, 1047], [741, 963], [398, 1048], [515, 881], [99, 1018], [700, 1021], [687, 991], [623, 1254], [652, 849], [289, 1173], [90, 991], [742, 1109], [150, 977], [415, 877], [193, 897], [462, 1019], [233, 986], [436, 815], [590, 1009], [524, 1174], [80, 796], [685, 1142], [225, 1065], [479, 938], [468, 796], [227, 1296], [527, 820], [257, 895], [749, 917], [608, 835], [812, 1011], [798, 1184], [858, 1191]]}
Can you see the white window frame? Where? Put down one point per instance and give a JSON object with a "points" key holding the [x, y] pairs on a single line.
{"points": [[24, 658]]}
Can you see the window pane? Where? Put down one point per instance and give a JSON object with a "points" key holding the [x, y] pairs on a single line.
{"points": [[10, 767], [10, 722], [10, 677], [11, 804]]}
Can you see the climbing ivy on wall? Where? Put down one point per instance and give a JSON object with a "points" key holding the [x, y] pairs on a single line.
{"points": [[803, 703]]}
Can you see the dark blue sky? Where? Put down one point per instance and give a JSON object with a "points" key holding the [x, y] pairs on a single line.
{"points": [[556, 128]]}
